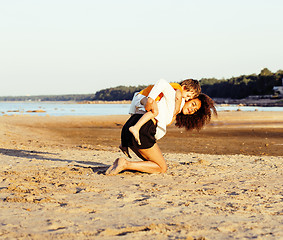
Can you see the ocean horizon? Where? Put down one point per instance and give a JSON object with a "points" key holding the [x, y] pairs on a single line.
{"points": [[76, 109]]}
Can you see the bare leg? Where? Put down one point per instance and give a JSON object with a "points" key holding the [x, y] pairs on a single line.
{"points": [[155, 163], [125, 150], [136, 128]]}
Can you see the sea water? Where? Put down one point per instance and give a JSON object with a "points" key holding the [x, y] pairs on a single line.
{"points": [[72, 109], [62, 109]]}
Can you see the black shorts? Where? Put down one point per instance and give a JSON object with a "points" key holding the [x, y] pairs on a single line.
{"points": [[147, 133]]}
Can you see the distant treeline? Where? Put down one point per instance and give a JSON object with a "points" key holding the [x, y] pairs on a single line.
{"points": [[117, 93], [243, 86], [235, 87]]}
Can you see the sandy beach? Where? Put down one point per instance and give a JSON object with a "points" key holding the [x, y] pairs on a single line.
{"points": [[224, 182]]}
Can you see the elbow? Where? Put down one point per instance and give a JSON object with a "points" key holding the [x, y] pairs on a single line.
{"points": [[155, 113]]}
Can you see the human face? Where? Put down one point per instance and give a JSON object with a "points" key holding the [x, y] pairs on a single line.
{"points": [[191, 106], [188, 95]]}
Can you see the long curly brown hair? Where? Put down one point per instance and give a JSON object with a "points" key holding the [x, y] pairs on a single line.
{"points": [[200, 117]]}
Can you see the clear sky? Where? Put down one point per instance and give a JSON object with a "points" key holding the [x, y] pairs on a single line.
{"points": [[72, 46]]}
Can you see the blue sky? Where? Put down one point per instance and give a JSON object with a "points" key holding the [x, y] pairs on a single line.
{"points": [[72, 47]]}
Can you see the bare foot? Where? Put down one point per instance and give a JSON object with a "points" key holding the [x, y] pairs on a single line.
{"points": [[136, 134], [111, 167], [125, 150], [118, 166]]}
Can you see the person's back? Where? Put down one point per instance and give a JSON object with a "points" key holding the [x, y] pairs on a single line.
{"points": [[145, 92]]}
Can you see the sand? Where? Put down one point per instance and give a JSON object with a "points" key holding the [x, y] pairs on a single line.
{"points": [[224, 182]]}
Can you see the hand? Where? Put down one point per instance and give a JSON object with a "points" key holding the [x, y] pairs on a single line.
{"points": [[149, 104]]}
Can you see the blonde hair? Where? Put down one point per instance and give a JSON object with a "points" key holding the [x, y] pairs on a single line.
{"points": [[192, 85]]}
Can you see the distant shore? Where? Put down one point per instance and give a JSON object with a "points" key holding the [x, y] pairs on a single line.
{"points": [[259, 101], [106, 102], [250, 101]]}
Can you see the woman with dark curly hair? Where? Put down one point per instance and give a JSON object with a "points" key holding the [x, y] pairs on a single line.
{"points": [[198, 119], [194, 114]]}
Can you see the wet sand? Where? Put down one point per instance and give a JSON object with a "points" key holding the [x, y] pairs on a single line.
{"points": [[224, 182]]}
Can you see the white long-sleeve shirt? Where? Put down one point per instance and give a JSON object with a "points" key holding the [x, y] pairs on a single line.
{"points": [[166, 105]]}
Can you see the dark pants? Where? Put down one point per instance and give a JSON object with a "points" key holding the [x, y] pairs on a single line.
{"points": [[147, 133]]}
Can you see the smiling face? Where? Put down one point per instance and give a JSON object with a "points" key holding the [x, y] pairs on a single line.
{"points": [[191, 106]]}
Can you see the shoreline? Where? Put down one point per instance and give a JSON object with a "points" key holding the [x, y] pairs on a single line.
{"points": [[233, 132], [256, 101]]}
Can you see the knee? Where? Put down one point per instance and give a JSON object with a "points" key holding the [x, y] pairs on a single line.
{"points": [[163, 169]]}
